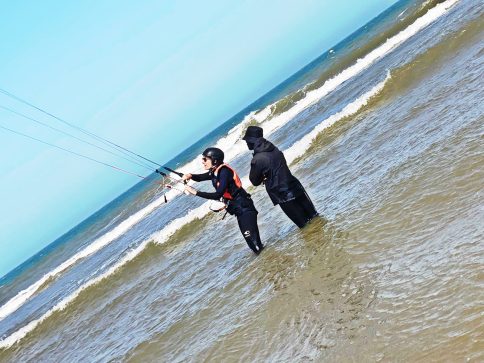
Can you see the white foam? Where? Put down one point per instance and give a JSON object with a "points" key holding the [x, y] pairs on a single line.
{"points": [[162, 236], [23, 296], [303, 144], [22, 332], [231, 143]]}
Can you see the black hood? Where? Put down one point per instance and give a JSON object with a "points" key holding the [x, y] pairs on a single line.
{"points": [[262, 145], [269, 166]]}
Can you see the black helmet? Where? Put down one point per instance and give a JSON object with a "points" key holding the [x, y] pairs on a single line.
{"points": [[215, 154]]}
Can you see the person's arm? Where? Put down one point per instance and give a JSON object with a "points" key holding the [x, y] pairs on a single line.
{"points": [[199, 177], [224, 179], [257, 171]]}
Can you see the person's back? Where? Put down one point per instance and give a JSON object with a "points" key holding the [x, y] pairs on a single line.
{"points": [[269, 166]]}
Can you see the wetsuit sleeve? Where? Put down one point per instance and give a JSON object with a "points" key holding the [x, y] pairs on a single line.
{"points": [[257, 171], [201, 177], [224, 179]]}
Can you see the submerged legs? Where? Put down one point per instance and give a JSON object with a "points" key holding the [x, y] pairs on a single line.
{"points": [[248, 226]]}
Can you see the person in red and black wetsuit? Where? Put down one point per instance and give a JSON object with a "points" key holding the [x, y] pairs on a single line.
{"points": [[228, 189]]}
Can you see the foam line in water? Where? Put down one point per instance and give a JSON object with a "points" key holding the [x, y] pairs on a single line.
{"points": [[193, 214], [23, 296], [159, 237], [303, 144], [231, 143], [22, 332]]}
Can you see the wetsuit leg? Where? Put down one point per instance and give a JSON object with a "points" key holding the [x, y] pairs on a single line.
{"points": [[300, 210], [248, 226], [308, 206]]}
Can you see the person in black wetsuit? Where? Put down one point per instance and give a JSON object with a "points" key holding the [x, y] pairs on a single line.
{"points": [[228, 189], [268, 166]]}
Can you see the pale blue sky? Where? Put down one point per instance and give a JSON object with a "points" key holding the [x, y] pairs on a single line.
{"points": [[153, 76]]}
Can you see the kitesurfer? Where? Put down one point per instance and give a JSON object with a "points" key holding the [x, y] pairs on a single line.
{"points": [[228, 188], [269, 167]]}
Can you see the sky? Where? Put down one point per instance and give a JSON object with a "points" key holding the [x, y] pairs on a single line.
{"points": [[153, 76]]}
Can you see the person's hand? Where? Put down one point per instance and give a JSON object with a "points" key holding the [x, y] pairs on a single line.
{"points": [[186, 177], [264, 180], [189, 190]]}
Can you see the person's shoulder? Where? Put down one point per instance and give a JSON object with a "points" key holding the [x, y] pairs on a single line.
{"points": [[260, 159], [256, 157], [225, 170]]}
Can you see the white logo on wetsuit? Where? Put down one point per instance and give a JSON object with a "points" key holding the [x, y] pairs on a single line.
{"points": [[247, 234]]}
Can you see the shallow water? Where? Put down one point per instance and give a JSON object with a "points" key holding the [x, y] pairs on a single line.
{"points": [[391, 271]]}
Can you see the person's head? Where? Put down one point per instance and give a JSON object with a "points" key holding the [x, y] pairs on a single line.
{"points": [[212, 157], [252, 134]]}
